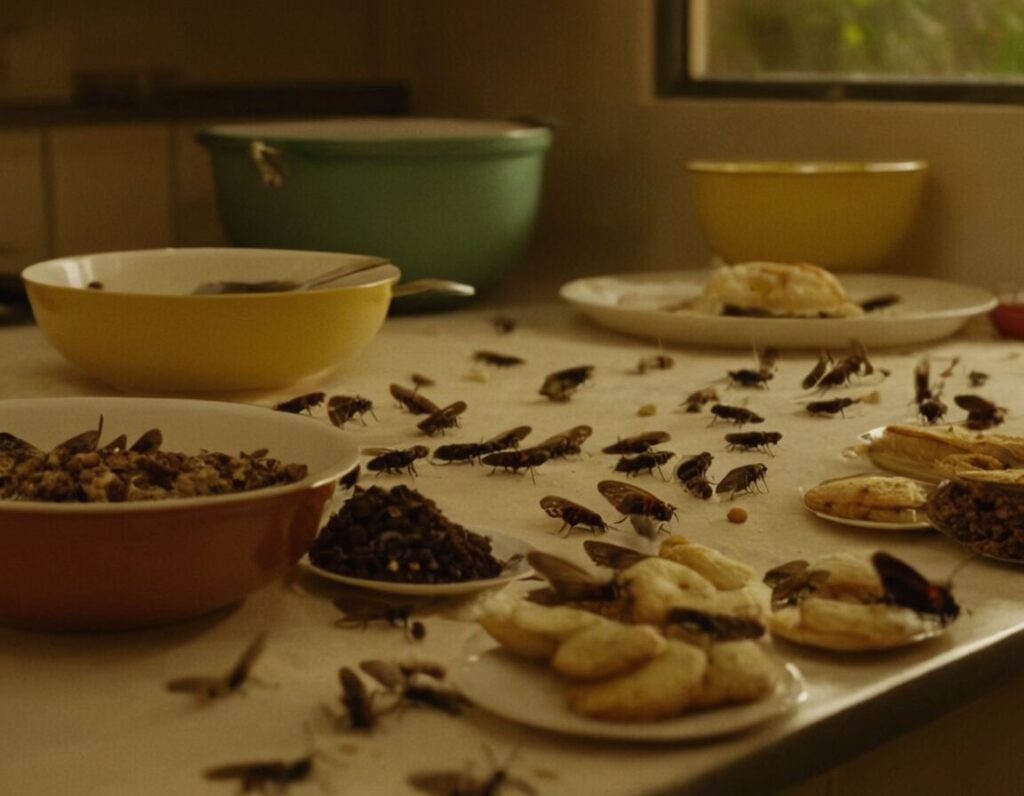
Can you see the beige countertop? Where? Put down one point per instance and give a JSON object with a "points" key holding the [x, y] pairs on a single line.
{"points": [[89, 714]]}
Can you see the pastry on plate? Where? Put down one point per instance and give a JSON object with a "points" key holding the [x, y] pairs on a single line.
{"points": [[775, 290], [879, 498], [937, 453]]}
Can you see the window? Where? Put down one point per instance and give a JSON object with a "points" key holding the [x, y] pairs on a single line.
{"points": [[940, 50]]}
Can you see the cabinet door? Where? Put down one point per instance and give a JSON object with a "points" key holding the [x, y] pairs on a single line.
{"points": [[23, 231], [111, 187]]}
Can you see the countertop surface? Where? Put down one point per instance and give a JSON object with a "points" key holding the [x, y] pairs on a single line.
{"points": [[89, 713]]}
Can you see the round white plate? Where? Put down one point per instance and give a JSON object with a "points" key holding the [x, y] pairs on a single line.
{"points": [[531, 693], [875, 525], [502, 547], [929, 309]]}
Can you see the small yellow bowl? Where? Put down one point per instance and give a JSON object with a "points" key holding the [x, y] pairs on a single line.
{"points": [[842, 216], [140, 328]]}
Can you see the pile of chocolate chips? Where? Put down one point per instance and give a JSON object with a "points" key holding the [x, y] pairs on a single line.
{"points": [[400, 535]]}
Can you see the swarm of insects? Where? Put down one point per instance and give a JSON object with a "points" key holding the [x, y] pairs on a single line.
{"points": [[395, 460], [442, 419], [572, 514], [981, 413], [565, 443], [696, 400], [342, 408], [753, 441], [692, 473], [413, 402], [301, 403], [497, 360], [643, 463], [743, 480], [735, 414], [231, 682], [560, 385], [640, 443], [832, 406]]}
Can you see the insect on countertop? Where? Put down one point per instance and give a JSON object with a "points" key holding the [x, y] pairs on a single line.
{"points": [[736, 414], [981, 413], [753, 441], [515, 460], [560, 385], [632, 500], [497, 360], [639, 443], [692, 473], [643, 463], [572, 514], [301, 403], [695, 401], [413, 402], [743, 480], [208, 688], [565, 443], [444, 418], [833, 406], [342, 408], [419, 684], [260, 775], [395, 460], [359, 611], [464, 783]]}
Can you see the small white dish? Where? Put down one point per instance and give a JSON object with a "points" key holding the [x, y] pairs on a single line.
{"points": [[532, 694], [502, 547], [641, 304], [875, 525]]}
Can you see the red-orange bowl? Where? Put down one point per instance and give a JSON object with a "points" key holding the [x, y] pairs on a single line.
{"points": [[1008, 319], [116, 566]]}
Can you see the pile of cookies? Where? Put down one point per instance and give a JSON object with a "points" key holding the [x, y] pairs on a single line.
{"points": [[878, 498], [675, 634]]}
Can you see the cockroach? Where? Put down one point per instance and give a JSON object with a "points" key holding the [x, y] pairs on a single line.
{"points": [[463, 783], [148, 442], [906, 587], [792, 582], [419, 380], [628, 499], [613, 556], [640, 443], [818, 371], [832, 406], [350, 479], [506, 439], [743, 480], [932, 410], [231, 682], [882, 302], [747, 377], [701, 626], [565, 443], [981, 413], [692, 472], [695, 401], [570, 583], [977, 379], [572, 514], [514, 461], [922, 381], [560, 385], [258, 776], [355, 699], [656, 362], [301, 403], [503, 324], [643, 463], [342, 408], [413, 402], [445, 418], [497, 360], [395, 460], [753, 441], [458, 452], [737, 414], [415, 685]]}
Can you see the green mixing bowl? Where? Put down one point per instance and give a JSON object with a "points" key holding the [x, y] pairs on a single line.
{"points": [[438, 197]]}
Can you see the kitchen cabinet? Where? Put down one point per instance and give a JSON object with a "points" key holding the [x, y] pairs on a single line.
{"points": [[23, 199]]}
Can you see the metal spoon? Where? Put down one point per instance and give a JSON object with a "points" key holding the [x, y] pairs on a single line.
{"points": [[442, 286], [280, 286]]}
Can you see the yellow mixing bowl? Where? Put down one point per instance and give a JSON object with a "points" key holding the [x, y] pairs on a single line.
{"points": [[140, 329], [843, 216]]}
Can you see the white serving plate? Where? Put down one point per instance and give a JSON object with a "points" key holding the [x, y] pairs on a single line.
{"points": [[502, 547], [530, 693], [929, 309]]}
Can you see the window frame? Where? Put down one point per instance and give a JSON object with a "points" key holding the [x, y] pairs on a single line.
{"points": [[672, 76]]}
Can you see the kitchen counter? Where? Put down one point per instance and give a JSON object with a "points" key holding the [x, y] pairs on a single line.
{"points": [[89, 714]]}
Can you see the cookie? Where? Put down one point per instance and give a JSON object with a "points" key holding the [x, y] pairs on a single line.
{"points": [[607, 650]]}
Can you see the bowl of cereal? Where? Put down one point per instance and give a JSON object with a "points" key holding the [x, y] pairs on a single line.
{"points": [[120, 513]]}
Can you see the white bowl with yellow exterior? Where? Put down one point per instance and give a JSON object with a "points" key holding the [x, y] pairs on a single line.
{"points": [[844, 216], [140, 328]]}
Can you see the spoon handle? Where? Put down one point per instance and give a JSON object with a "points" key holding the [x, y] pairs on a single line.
{"points": [[442, 286], [342, 271]]}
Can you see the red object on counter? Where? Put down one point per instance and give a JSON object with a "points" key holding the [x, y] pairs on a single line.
{"points": [[1009, 319]]}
